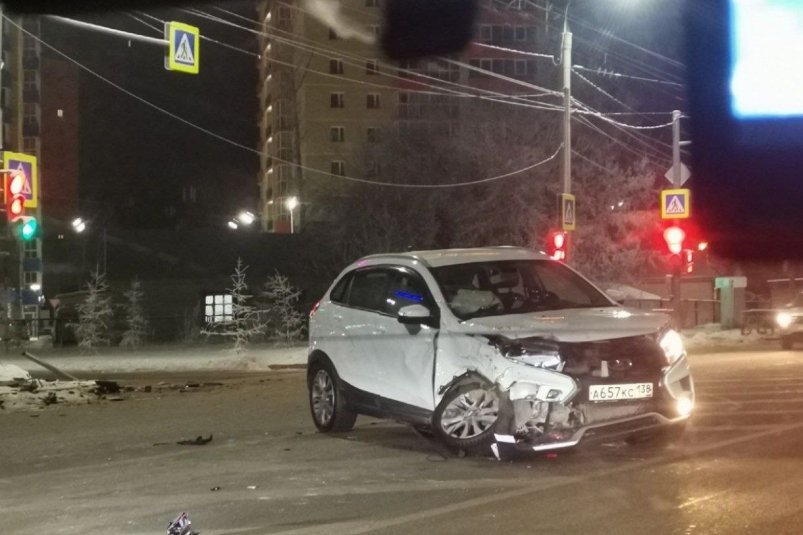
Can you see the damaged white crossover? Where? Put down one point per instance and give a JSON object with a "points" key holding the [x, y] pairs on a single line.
{"points": [[500, 348]]}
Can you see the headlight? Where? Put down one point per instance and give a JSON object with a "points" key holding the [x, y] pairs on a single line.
{"points": [[783, 319], [672, 344]]}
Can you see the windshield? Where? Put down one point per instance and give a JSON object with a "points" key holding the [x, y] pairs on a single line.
{"points": [[483, 289]]}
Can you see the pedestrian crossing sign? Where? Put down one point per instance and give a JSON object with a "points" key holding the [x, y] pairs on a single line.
{"points": [[25, 164], [183, 47], [568, 211], [675, 204]]}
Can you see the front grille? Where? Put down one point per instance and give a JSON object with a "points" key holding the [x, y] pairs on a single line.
{"points": [[624, 358]]}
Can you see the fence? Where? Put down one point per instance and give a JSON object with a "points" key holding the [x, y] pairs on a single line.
{"points": [[695, 311]]}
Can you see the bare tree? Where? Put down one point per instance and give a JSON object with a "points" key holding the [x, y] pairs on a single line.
{"points": [[137, 325]]}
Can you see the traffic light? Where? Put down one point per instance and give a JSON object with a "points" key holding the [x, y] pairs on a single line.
{"points": [[556, 245], [15, 200], [688, 260], [674, 237], [28, 228]]}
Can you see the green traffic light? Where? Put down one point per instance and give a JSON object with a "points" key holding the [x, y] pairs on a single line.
{"points": [[28, 229]]}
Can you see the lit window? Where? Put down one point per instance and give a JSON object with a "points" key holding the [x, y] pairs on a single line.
{"points": [[218, 308]]}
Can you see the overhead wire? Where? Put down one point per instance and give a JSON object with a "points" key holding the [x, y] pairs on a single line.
{"points": [[254, 151]]}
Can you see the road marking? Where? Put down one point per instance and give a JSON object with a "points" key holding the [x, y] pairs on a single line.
{"points": [[695, 501], [357, 527]]}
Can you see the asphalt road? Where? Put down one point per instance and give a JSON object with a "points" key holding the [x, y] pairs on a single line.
{"points": [[115, 467]]}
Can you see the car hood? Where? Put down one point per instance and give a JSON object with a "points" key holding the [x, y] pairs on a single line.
{"points": [[570, 325]]}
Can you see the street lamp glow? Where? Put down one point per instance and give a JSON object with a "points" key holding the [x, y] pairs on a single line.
{"points": [[232, 225], [292, 203], [78, 225], [246, 217], [35, 287]]}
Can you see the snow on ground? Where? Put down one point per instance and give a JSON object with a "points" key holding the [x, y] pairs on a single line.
{"points": [[11, 374], [160, 358], [36, 394], [712, 335]]}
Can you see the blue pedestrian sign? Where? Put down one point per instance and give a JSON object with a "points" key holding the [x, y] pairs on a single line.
{"points": [[675, 204], [183, 50]]}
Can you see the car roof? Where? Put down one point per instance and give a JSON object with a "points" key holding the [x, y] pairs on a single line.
{"points": [[446, 257]]}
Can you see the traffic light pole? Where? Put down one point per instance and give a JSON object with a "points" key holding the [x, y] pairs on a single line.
{"points": [[677, 182], [566, 63]]}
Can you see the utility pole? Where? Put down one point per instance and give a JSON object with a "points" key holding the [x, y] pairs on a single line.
{"points": [[677, 182], [566, 62]]}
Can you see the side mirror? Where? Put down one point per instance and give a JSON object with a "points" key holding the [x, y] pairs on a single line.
{"points": [[415, 315]]}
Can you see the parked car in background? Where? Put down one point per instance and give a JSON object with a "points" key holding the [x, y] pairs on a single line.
{"points": [[790, 322], [499, 346]]}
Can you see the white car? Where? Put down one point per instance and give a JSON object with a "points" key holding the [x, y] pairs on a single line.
{"points": [[500, 346], [790, 322]]}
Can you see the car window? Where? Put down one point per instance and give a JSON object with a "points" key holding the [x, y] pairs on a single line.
{"points": [[368, 288], [406, 288], [338, 293], [514, 287]]}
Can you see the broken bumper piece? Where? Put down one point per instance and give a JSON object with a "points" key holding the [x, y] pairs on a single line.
{"points": [[555, 440]]}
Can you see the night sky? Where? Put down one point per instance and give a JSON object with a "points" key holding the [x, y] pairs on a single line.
{"points": [[134, 160]]}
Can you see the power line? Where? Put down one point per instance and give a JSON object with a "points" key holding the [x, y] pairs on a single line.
{"points": [[613, 74], [598, 88], [515, 51], [254, 151]]}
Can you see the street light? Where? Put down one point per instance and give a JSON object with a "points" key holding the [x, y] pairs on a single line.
{"points": [[78, 225], [232, 224], [246, 217], [292, 203]]}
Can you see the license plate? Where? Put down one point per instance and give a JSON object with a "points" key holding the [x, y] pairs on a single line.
{"points": [[619, 392]]}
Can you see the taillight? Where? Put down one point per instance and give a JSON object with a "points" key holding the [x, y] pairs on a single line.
{"points": [[314, 309]]}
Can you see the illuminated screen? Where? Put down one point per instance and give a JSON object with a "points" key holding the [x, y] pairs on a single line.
{"points": [[766, 75]]}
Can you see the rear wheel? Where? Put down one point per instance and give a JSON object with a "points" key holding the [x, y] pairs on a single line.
{"points": [[466, 418], [327, 406], [786, 342]]}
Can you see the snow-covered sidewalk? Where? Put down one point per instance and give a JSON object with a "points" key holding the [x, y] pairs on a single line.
{"points": [[166, 358], [712, 336]]}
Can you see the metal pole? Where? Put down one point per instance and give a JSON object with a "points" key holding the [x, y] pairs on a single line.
{"points": [[2, 66], [677, 305], [292, 223], [110, 31], [566, 60]]}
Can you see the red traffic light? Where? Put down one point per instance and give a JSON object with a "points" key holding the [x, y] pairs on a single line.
{"points": [[674, 237], [15, 200], [556, 246]]}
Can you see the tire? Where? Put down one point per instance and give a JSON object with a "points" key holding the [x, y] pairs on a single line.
{"points": [[326, 402], [466, 418], [786, 342]]}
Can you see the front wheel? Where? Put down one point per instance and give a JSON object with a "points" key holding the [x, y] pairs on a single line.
{"points": [[466, 418], [326, 401]]}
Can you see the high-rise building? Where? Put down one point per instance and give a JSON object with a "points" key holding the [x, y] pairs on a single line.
{"points": [[325, 99]]}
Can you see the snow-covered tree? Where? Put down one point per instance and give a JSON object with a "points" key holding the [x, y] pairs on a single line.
{"points": [[244, 323], [95, 313], [137, 327], [287, 320]]}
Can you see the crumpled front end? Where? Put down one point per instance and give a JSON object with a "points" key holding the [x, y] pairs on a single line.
{"points": [[553, 394], [623, 386]]}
